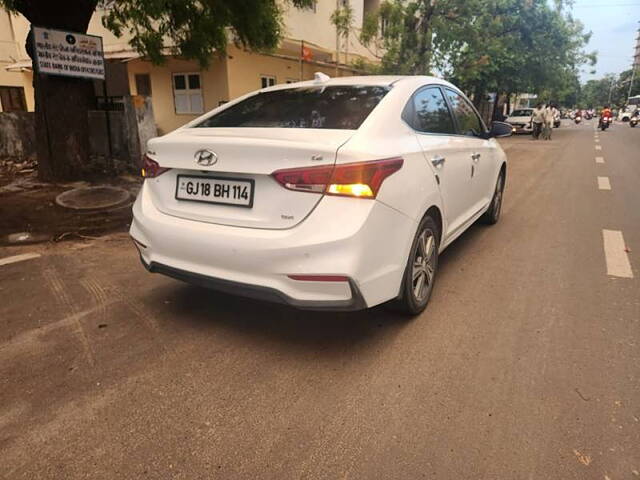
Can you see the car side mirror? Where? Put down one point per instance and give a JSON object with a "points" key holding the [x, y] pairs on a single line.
{"points": [[500, 129]]}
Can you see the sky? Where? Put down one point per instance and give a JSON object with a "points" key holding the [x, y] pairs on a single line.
{"points": [[614, 24]]}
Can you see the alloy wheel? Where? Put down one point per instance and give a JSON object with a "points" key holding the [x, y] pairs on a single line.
{"points": [[424, 265], [497, 198]]}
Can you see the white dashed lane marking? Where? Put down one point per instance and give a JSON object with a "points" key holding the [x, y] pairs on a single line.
{"points": [[615, 253], [604, 183], [18, 258], [598, 147], [599, 159]]}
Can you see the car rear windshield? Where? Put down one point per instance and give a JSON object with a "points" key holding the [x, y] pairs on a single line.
{"points": [[336, 107], [522, 113]]}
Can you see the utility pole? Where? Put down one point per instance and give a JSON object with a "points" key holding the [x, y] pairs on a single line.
{"points": [[636, 64], [613, 79]]}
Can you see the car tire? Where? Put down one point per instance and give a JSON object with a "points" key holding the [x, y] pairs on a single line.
{"points": [[421, 269], [492, 215]]}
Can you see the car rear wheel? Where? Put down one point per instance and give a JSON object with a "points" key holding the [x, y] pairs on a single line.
{"points": [[420, 272]]}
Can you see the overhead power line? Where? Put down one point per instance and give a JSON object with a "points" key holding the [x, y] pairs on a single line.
{"points": [[606, 5]]}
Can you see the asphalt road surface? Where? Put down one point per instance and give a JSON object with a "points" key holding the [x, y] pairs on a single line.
{"points": [[526, 364]]}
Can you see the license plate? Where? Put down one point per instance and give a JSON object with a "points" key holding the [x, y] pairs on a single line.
{"points": [[218, 190]]}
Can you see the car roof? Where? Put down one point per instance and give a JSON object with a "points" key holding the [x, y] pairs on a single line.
{"points": [[372, 80]]}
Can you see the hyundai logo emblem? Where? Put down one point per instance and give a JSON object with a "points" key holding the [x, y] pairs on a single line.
{"points": [[206, 158]]}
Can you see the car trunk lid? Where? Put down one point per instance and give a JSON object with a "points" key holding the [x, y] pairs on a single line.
{"points": [[242, 155]]}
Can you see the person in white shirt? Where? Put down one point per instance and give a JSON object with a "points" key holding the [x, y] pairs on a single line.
{"points": [[537, 120], [548, 122]]}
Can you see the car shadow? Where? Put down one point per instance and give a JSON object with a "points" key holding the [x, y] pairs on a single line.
{"points": [[196, 308], [192, 307]]}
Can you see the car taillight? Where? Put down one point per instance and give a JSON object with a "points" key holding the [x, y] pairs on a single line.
{"points": [[361, 180], [151, 168]]}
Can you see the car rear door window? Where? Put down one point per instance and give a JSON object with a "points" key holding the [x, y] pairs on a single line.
{"points": [[430, 113], [469, 122], [342, 107]]}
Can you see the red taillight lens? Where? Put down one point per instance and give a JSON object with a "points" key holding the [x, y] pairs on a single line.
{"points": [[312, 179], [151, 168], [361, 180]]}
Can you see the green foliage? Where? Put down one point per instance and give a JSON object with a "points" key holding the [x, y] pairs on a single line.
{"points": [[195, 29], [192, 29], [595, 93], [483, 45], [342, 19]]}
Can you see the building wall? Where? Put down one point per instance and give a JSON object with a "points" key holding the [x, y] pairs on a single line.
{"points": [[10, 53], [225, 79], [213, 83], [316, 27]]}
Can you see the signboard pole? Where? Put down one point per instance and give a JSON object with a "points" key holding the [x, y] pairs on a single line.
{"points": [[107, 106]]}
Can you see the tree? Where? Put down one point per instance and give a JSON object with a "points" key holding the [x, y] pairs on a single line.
{"points": [[503, 46], [342, 19], [192, 30]]}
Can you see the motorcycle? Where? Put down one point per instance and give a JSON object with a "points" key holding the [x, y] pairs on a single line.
{"points": [[578, 119], [633, 121], [605, 123]]}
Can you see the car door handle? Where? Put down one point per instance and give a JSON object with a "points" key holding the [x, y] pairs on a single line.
{"points": [[475, 157], [437, 161]]}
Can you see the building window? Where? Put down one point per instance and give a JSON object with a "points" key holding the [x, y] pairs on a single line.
{"points": [[187, 94], [12, 99], [143, 84], [267, 81], [291, 80]]}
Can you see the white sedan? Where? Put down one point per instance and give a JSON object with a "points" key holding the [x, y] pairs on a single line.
{"points": [[333, 194], [520, 120]]}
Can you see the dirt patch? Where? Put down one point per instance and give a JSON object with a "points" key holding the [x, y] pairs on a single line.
{"points": [[29, 206]]}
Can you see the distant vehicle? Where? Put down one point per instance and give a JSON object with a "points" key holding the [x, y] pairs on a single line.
{"points": [[577, 118], [633, 104], [520, 120], [334, 194], [635, 119]]}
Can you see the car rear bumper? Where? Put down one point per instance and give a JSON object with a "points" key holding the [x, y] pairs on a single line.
{"points": [[259, 292], [365, 241]]}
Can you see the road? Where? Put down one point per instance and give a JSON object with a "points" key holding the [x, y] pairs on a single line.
{"points": [[526, 364]]}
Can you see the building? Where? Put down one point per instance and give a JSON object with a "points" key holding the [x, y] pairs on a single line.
{"points": [[180, 89]]}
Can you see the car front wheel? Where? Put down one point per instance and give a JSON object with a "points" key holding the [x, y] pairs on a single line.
{"points": [[492, 215], [420, 272]]}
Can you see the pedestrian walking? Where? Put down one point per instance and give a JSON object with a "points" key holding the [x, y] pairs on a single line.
{"points": [[537, 120], [548, 118]]}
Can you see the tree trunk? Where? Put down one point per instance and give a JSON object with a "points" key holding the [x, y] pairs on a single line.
{"points": [[62, 103], [62, 126], [494, 112]]}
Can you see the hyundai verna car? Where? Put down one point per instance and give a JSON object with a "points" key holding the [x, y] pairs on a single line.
{"points": [[333, 194]]}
